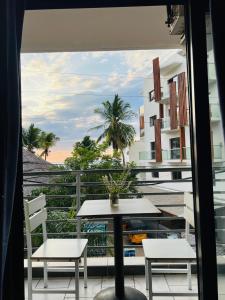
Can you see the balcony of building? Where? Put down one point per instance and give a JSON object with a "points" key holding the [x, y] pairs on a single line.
{"points": [[165, 96], [62, 223], [147, 155], [215, 113], [174, 154], [166, 126], [62, 205]]}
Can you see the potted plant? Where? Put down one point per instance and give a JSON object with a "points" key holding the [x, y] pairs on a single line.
{"points": [[116, 186]]}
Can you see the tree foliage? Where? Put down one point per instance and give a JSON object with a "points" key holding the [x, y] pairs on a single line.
{"points": [[46, 141], [35, 138], [86, 155], [115, 131], [31, 137]]}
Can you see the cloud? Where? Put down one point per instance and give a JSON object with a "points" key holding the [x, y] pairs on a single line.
{"points": [[61, 90], [88, 123], [140, 62]]}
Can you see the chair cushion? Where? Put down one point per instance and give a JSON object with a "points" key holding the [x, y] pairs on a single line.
{"points": [[168, 249], [60, 250]]}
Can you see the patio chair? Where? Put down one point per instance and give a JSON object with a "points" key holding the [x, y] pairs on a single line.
{"points": [[52, 250], [171, 250]]}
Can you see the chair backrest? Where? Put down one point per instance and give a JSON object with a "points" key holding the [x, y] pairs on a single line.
{"points": [[35, 215], [189, 208]]}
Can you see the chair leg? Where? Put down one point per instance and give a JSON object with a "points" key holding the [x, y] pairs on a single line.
{"points": [[146, 274], [77, 279], [85, 267], [45, 274], [29, 277], [189, 276], [150, 280]]}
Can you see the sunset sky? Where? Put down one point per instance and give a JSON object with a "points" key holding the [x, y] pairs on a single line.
{"points": [[61, 90]]}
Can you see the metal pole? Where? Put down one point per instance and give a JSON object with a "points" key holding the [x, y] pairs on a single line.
{"points": [[118, 247], [78, 203]]}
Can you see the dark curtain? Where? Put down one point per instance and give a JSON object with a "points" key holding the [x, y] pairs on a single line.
{"points": [[217, 11], [11, 201]]}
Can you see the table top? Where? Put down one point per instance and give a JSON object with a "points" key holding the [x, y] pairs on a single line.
{"points": [[168, 250], [126, 207]]}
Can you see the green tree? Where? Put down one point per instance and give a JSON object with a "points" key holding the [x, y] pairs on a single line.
{"points": [[46, 141], [85, 153], [31, 137], [116, 132]]}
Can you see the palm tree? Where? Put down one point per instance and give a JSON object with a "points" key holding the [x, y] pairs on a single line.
{"points": [[116, 132], [30, 137], [47, 140]]}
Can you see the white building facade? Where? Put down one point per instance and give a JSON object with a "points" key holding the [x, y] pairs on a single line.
{"points": [[164, 122]]}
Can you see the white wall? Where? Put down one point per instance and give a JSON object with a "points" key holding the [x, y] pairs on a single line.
{"points": [[134, 150], [175, 64]]}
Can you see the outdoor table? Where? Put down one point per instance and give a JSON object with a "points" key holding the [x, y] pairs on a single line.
{"points": [[126, 207]]}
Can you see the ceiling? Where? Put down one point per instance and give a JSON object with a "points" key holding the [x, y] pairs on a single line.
{"points": [[97, 29]]}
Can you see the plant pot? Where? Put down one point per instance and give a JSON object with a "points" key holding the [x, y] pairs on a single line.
{"points": [[114, 199]]}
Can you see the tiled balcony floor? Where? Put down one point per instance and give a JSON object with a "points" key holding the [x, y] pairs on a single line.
{"points": [[95, 284]]}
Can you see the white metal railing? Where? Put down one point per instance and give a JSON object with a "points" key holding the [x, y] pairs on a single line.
{"points": [[75, 188]]}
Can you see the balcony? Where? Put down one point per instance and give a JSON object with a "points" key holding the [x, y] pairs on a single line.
{"points": [[165, 96], [215, 112], [166, 126], [174, 154], [217, 152], [62, 223], [211, 72], [145, 155]]}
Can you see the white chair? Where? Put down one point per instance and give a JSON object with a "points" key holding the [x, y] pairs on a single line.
{"points": [[171, 250], [52, 250]]}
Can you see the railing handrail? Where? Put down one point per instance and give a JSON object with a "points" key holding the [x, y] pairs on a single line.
{"points": [[114, 170], [78, 185]]}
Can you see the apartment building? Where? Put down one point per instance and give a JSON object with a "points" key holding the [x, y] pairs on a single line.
{"points": [[164, 120]]}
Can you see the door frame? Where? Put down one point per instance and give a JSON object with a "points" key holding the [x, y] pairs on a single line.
{"points": [[199, 124]]}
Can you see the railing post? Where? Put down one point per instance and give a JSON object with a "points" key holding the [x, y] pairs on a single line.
{"points": [[78, 185]]}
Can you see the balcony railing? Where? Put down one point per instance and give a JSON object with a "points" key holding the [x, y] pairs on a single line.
{"points": [[186, 153], [66, 190], [218, 151], [145, 155], [215, 111], [171, 154], [62, 207], [166, 123], [174, 154]]}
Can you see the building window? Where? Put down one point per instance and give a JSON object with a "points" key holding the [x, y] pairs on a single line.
{"points": [[175, 148], [152, 120], [151, 95], [152, 150], [176, 175], [155, 174]]}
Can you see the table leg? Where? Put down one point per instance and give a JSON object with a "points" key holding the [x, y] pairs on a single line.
{"points": [[118, 247], [150, 279], [119, 292]]}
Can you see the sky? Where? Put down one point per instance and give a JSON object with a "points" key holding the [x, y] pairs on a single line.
{"points": [[61, 90]]}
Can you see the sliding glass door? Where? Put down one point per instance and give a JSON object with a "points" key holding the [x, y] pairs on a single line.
{"points": [[218, 161]]}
